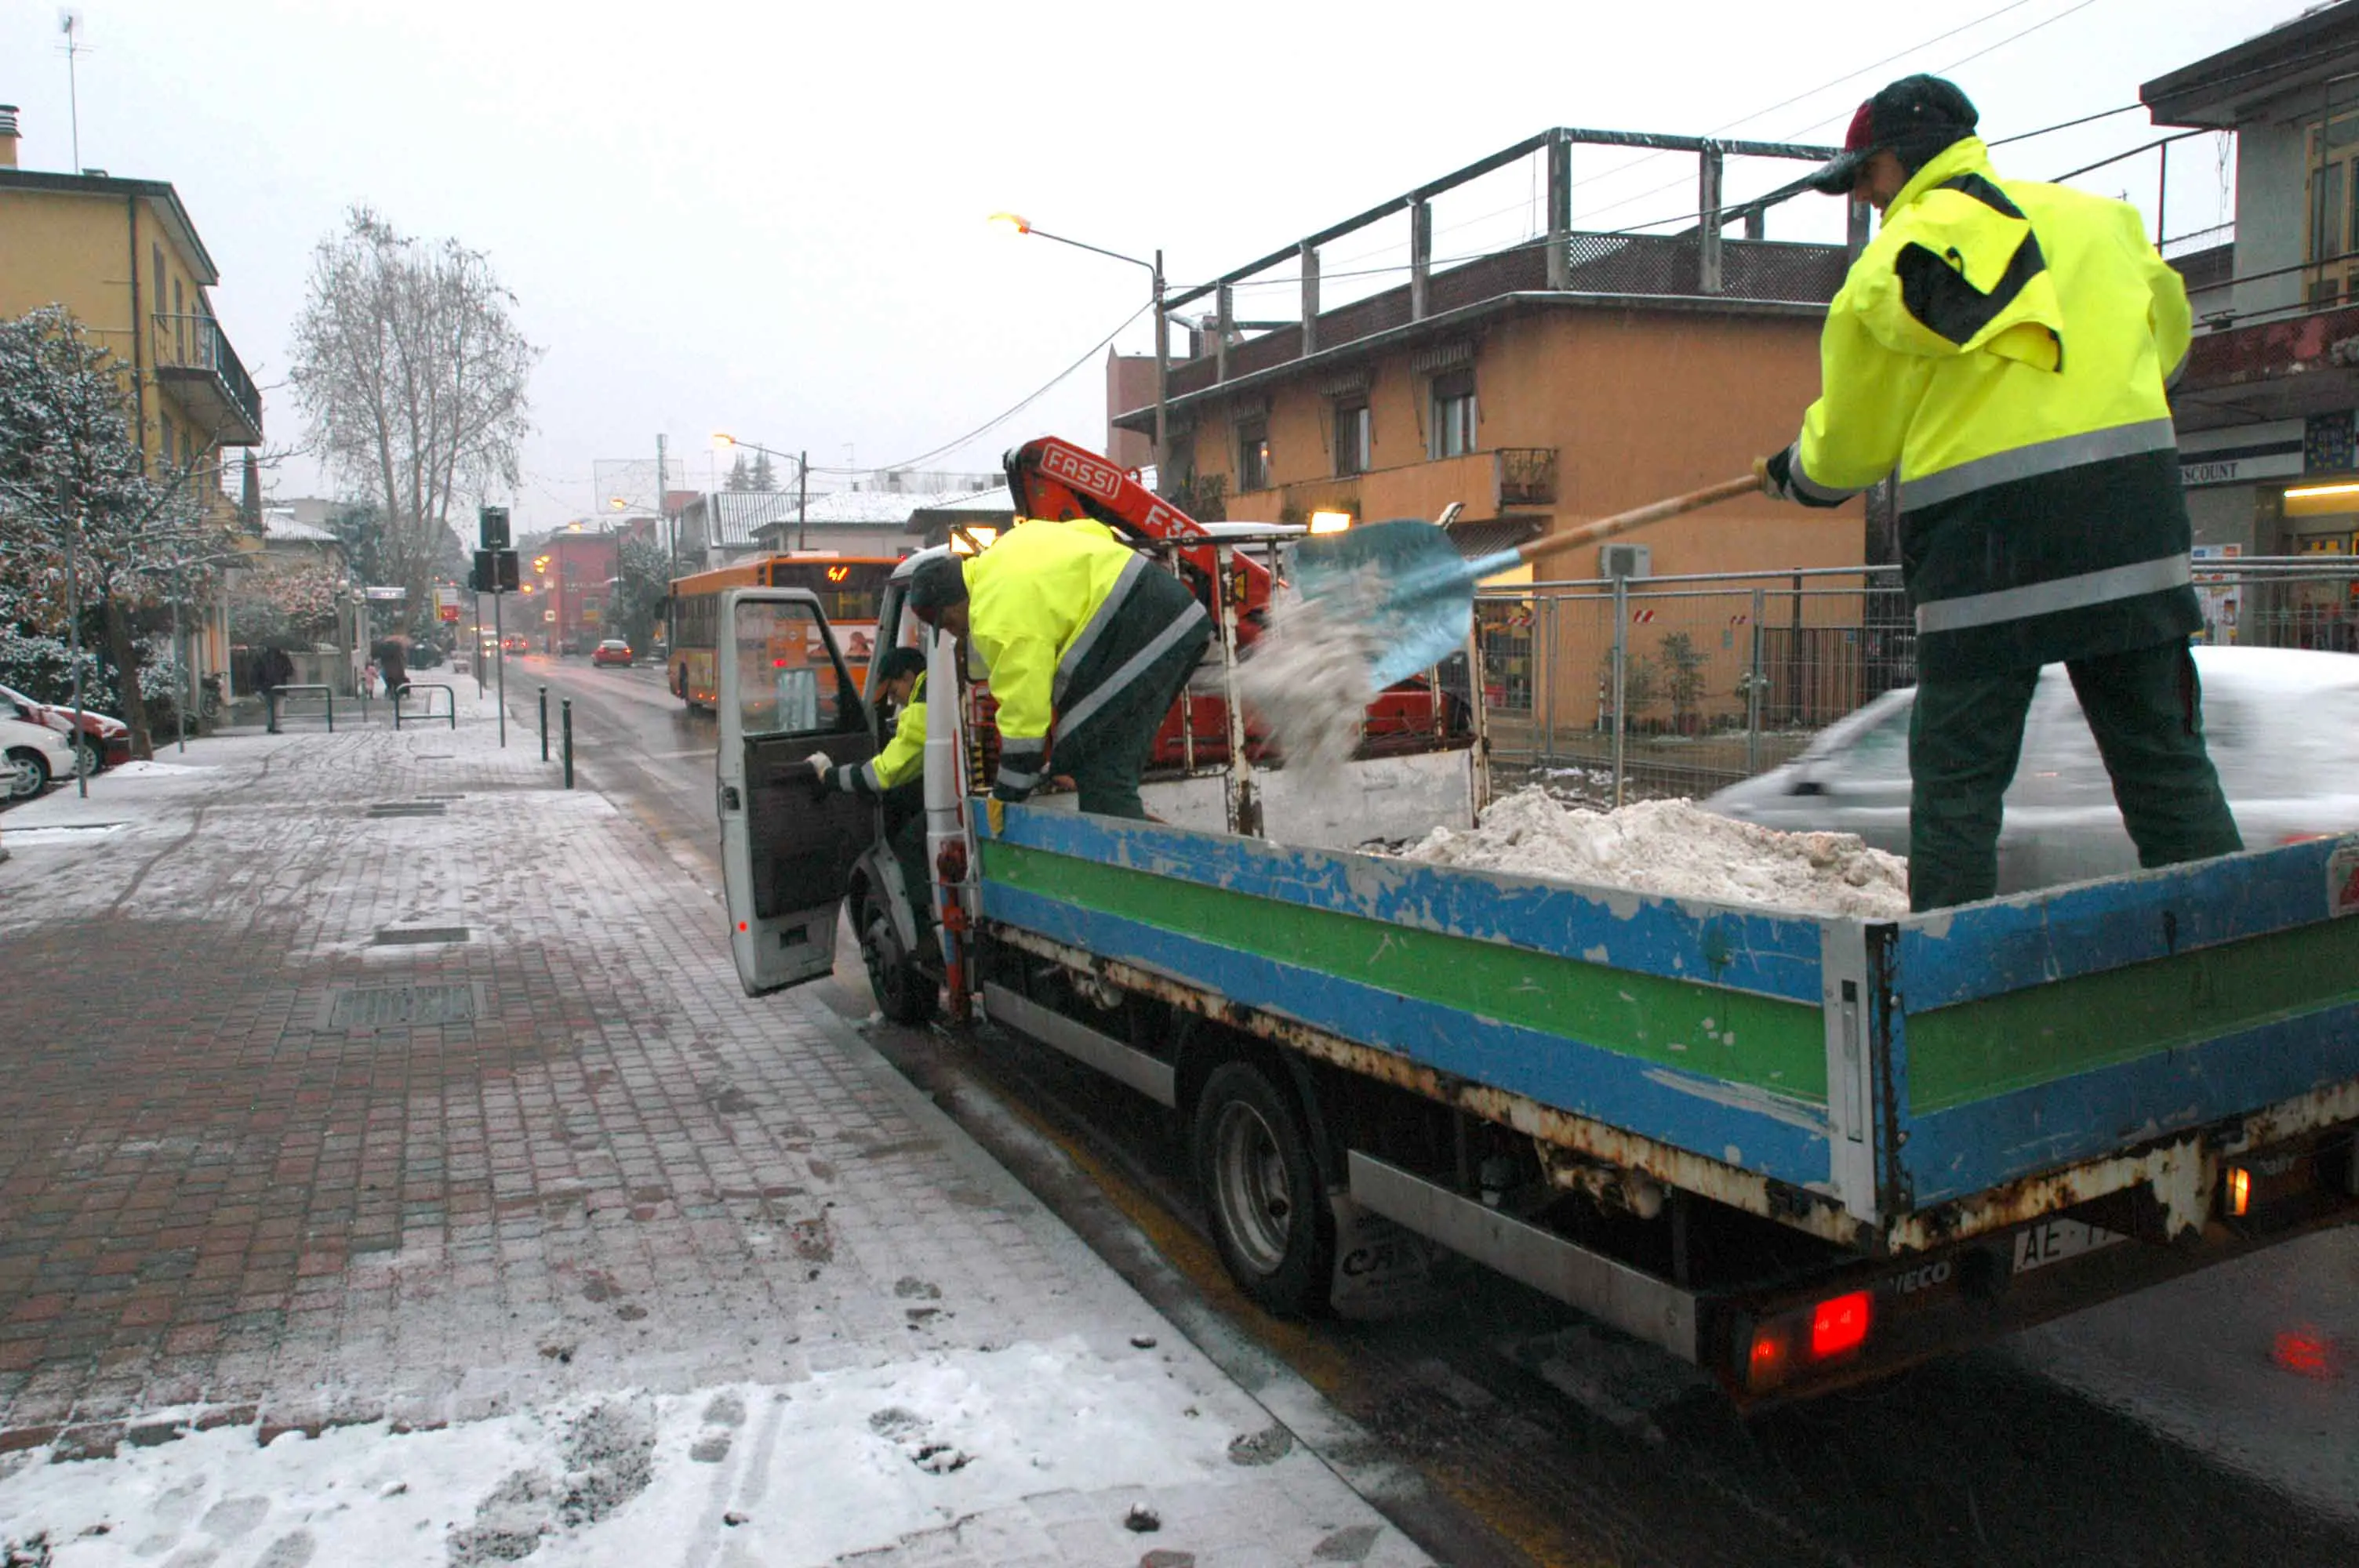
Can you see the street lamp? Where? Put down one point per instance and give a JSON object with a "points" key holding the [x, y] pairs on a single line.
{"points": [[1011, 223], [722, 442]]}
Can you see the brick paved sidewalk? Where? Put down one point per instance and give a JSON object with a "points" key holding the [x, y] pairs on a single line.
{"points": [[287, 1147]]}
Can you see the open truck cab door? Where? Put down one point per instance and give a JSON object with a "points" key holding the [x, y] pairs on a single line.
{"points": [[787, 852]]}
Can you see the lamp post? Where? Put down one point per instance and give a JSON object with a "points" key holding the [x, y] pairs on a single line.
{"points": [[723, 440], [1015, 224]]}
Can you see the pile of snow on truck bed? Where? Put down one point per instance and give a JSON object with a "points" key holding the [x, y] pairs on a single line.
{"points": [[1676, 848]]}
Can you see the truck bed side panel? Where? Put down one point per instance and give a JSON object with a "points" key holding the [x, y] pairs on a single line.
{"points": [[2043, 1031], [1475, 975]]}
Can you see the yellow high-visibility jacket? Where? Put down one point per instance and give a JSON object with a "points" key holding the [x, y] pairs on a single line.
{"points": [[903, 758], [2006, 344], [1038, 601]]}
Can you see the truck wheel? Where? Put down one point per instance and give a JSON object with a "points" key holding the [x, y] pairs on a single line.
{"points": [[1264, 1192], [905, 993]]}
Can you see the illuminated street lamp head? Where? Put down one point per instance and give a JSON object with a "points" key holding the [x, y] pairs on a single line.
{"points": [[724, 440], [617, 502], [1009, 223]]}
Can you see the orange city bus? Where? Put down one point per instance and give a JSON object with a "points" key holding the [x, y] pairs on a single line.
{"points": [[850, 587]]}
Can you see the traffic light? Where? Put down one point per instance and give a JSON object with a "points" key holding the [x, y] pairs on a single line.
{"points": [[492, 526]]}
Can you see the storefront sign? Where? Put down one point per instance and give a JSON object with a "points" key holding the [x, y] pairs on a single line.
{"points": [[2240, 454]]}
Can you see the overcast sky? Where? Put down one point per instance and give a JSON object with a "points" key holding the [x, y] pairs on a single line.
{"points": [[770, 219]]}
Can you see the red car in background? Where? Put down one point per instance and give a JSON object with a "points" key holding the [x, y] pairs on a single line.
{"points": [[104, 741], [613, 651]]}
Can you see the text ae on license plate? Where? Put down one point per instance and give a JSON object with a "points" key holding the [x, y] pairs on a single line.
{"points": [[2058, 1241]]}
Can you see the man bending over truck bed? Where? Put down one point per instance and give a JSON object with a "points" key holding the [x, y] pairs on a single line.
{"points": [[1088, 642]]}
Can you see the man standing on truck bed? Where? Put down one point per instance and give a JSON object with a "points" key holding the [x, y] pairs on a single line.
{"points": [[1085, 640], [2005, 343]]}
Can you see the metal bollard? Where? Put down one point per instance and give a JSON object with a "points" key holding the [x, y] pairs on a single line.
{"points": [[544, 724], [566, 713]]}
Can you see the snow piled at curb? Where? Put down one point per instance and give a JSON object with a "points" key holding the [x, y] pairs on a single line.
{"points": [[800, 1473]]}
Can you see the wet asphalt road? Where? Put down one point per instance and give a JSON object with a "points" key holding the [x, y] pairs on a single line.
{"points": [[2214, 1421]]}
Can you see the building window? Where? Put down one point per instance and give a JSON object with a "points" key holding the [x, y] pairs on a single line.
{"points": [[180, 323], [1253, 456], [158, 307], [2333, 169], [1355, 438], [171, 461], [1452, 432]]}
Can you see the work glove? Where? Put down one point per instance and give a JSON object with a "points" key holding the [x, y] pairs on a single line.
{"points": [[823, 771], [1777, 474]]}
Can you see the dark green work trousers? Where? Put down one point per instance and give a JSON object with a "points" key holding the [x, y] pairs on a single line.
{"points": [[905, 835], [1107, 752], [2145, 707]]}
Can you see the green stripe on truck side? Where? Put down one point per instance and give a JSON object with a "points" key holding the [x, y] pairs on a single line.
{"points": [[1706, 1030], [1977, 1050]]}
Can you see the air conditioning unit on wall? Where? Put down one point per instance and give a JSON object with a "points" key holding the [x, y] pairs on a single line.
{"points": [[1624, 560]]}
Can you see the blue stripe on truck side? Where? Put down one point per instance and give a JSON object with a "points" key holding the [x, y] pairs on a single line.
{"points": [[1748, 950], [1742, 1126]]}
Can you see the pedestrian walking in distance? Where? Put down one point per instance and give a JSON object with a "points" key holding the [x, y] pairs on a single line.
{"points": [[2006, 344]]}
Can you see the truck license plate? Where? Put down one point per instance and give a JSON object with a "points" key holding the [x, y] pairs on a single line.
{"points": [[2057, 1240]]}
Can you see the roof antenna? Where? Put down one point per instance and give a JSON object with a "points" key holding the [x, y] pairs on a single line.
{"points": [[69, 22]]}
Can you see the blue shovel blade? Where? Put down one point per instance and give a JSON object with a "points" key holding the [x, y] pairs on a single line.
{"points": [[1403, 579]]}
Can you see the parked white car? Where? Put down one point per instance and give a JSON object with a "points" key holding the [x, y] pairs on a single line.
{"points": [[30, 756]]}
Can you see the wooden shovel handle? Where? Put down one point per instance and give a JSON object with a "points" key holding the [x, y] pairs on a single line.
{"points": [[1638, 517]]}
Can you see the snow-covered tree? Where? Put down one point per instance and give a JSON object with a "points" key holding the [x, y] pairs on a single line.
{"points": [[409, 363], [78, 506], [283, 602], [643, 575]]}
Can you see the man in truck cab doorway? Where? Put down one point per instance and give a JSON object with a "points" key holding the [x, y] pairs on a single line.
{"points": [[895, 776], [1088, 642], [2005, 344]]}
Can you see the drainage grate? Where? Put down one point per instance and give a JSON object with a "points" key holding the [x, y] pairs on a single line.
{"points": [[395, 1007], [407, 808], [394, 936]]}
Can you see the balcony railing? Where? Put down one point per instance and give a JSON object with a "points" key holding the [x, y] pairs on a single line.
{"points": [[1526, 476], [193, 355]]}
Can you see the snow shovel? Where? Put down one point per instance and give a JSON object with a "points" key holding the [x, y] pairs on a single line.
{"points": [[1416, 592]]}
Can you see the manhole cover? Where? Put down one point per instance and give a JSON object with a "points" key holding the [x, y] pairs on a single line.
{"points": [[395, 1007], [406, 809], [395, 935]]}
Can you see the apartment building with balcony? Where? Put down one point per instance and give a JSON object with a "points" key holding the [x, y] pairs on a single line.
{"points": [[1536, 387], [125, 258], [2265, 407]]}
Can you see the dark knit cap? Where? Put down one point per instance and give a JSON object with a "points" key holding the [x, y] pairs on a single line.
{"points": [[899, 662], [936, 584]]}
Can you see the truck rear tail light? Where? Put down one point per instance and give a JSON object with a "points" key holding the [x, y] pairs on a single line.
{"points": [[1840, 1324], [1792, 1342], [2236, 1190]]}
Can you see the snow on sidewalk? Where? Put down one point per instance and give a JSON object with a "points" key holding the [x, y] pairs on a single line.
{"points": [[403, 1177], [1045, 1454]]}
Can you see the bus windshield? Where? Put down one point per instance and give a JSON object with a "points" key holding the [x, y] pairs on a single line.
{"points": [[849, 591]]}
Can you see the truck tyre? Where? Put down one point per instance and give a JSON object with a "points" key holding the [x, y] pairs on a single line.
{"points": [[905, 993], [1263, 1192]]}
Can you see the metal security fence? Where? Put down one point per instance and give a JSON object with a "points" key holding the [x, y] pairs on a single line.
{"points": [[1609, 690]]}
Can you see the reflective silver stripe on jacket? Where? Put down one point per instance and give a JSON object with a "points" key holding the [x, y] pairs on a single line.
{"points": [[2039, 457], [1805, 485], [1136, 666], [1078, 649], [1010, 778], [1022, 746], [867, 777], [2057, 593]]}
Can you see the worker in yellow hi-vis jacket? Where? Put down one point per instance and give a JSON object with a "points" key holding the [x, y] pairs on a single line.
{"points": [[2006, 344]]}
